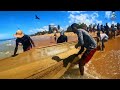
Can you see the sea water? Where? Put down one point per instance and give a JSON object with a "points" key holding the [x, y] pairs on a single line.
{"points": [[105, 67], [7, 47]]}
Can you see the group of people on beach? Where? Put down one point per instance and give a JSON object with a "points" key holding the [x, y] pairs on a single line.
{"points": [[104, 32], [28, 43], [85, 40], [62, 38]]}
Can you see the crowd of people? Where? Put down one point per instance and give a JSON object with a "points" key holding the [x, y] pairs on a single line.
{"points": [[85, 40], [111, 31], [104, 32]]}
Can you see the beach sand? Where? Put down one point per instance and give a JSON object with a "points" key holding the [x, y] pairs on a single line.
{"points": [[39, 40], [48, 39], [103, 65]]}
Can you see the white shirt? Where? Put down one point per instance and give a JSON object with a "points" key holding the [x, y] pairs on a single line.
{"points": [[103, 35]]}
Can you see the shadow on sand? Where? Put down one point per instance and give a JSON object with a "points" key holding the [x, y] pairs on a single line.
{"points": [[66, 61]]}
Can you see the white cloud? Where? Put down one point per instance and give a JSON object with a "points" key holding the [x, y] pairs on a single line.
{"points": [[75, 12], [84, 18], [78, 18], [45, 28], [109, 23], [94, 15], [107, 14], [51, 24], [98, 21], [114, 22]]}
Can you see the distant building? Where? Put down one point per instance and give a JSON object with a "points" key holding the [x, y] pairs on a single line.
{"points": [[51, 28]]}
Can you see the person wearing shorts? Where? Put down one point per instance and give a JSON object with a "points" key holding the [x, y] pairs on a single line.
{"points": [[85, 40]]}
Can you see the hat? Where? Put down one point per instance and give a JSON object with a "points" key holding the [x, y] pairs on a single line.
{"points": [[19, 34]]}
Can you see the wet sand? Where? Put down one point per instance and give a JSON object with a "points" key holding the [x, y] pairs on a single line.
{"points": [[103, 65], [106, 65]]}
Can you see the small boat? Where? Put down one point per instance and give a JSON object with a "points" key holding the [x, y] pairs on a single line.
{"points": [[49, 62]]}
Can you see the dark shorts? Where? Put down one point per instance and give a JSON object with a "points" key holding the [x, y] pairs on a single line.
{"points": [[87, 55]]}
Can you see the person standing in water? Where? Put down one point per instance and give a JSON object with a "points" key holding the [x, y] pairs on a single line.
{"points": [[85, 41], [23, 40]]}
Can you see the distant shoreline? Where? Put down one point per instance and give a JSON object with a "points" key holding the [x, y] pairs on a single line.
{"points": [[6, 39]]}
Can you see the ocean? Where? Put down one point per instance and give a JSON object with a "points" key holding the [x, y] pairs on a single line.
{"points": [[7, 47]]}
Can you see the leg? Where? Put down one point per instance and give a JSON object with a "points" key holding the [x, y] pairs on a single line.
{"points": [[98, 42], [50, 39], [55, 38], [114, 34], [84, 59], [111, 34], [81, 67], [102, 44]]}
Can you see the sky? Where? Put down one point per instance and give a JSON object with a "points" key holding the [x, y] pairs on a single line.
{"points": [[11, 21]]}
